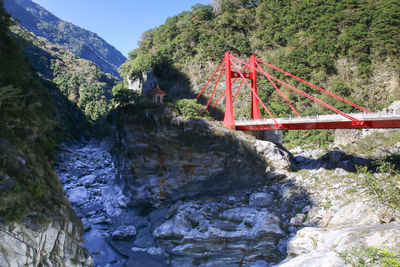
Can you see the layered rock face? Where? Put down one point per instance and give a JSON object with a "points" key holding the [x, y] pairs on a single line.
{"points": [[220, 234], [167, 160], [52, 244], [205, 190]]}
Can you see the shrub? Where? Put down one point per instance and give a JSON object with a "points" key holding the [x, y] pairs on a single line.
{"points": [[370, 256], [190, 109], [386, 188]]}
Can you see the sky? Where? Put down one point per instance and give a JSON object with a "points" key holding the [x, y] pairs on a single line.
{"points": [[119, 22]]}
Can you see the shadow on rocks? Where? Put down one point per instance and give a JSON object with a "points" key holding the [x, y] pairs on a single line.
{"points": [[332, 160]]}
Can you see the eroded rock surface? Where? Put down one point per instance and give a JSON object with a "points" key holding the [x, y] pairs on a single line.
{"points": [[50, 244], [343, 216]]}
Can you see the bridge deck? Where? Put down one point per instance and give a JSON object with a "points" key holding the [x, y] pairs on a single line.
{"points": [[383, 119]]}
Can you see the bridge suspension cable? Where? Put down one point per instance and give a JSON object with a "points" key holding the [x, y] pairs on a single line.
{"points": [[356, 121], [249, 72], [258, 98], [314, 86]]}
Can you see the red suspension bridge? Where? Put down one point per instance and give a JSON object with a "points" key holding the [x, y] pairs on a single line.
{"points": [[248, 75]]}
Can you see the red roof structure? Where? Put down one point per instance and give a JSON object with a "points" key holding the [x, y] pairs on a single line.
{"points": [[158, 95], [158, 91]]}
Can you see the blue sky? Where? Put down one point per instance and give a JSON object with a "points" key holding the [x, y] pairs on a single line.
{"points": [[119, 22]]}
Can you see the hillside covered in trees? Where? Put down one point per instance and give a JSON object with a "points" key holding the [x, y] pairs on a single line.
{"points": [[80, 80], [47, 95], [30, 127], [349, 47]]}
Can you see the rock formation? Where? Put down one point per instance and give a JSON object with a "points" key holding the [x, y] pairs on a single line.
{"points": [[46, 244]]}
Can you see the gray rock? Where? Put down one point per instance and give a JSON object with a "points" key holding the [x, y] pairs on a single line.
{"points": [[355, 213], [100, 220], [275, 175], [306, 209], [144, 85], [260, 200], [78, 195], [124, 233], [347, 136], [298, 219], [57, 244], [6, 182], [316, 259], [226, 232], [260, 263], [321, 246], [275, 156]]}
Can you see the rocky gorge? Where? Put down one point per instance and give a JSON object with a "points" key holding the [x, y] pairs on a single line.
{"points": [[166, 191], [162, 190]]}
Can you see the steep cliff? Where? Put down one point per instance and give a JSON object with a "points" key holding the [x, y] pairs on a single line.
{"points": [[37, 225], [209, 196]]}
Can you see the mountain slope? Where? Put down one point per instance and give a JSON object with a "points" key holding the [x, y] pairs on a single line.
{"points": [[80, 80], [80, 42]]}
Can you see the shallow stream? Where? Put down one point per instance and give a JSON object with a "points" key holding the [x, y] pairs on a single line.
{"points": [[92, 185]]}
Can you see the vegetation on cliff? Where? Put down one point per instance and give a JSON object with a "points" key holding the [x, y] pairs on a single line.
{"points": [[306, 38], [29, 130], [80, 80], [348, 47]]}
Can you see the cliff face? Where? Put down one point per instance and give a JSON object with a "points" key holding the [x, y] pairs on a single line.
{"points": [[202, 189], [214, 197], [52, 244], [80, 42], [37, 225], [168, 159]]}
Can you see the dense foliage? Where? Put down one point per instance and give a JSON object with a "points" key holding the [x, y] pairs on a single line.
{"points": [[124, 96], [80, 80], [29, 130], [80, 42], [189, 108], [349, 47], [370, 256]]}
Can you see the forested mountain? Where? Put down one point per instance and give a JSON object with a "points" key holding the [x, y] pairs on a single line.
{"points": [[349, 47], [80, 42], [47, 95], [80, 80], [29, 129]]}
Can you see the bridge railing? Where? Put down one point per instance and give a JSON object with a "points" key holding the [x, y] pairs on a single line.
{"points": [[389, 113]]}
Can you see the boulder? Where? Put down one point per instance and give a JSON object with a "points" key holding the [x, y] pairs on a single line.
{"points": [[355, 213], [261, 199], [124, 233], [321, 246], [272, 154], [298, 219], [213, 234], [78, 195]]}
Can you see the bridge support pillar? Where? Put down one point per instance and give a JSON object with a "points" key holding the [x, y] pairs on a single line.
{"points": [[229, 119], [274, 136], [255, 110]]}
